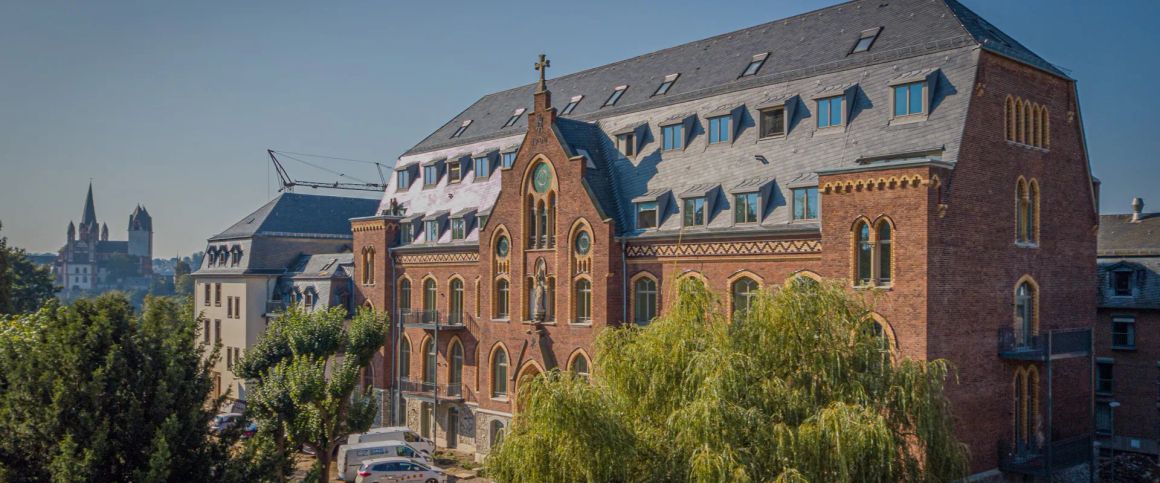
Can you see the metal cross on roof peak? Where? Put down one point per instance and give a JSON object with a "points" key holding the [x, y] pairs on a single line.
{"points": [[542, 66]]}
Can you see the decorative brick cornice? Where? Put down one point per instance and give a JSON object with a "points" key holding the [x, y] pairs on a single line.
{"points": [[438, 258], [779, 247], [880, 183]]}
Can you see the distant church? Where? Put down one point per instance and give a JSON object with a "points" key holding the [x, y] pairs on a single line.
{"points": [[83, 264]]}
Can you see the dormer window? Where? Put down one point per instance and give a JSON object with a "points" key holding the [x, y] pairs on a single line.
{"points": [[1122, 283], [406, 233], [626, 143], [509, 159], [454, 171], [463, 127], [694, 211], [430, 175], [745, 208], [673, 137], [909, 99], [830, 111], [666, 84], [755, 64], [616, 93], [431, 231], [805, 204], [482, 167], [646, 215], [773, 122], [571, 105], [866, 40], [720, 129], [515, 117], [404, 179], [458, 228]]}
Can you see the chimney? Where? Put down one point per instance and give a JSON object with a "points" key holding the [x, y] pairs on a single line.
{"points": [[1137, 209]]}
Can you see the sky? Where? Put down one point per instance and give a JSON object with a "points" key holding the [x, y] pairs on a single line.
{"points": [[172, 105]]}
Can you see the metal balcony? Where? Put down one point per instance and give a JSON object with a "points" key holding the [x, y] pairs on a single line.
{"points": [[1046, 345], [431, 320], [1044, 460], [454, 392]]}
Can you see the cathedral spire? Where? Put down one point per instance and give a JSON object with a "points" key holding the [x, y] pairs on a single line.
{"points": [[90, 216]]}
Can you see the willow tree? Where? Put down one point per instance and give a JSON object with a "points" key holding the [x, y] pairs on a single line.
{"points": [[803, 387]]}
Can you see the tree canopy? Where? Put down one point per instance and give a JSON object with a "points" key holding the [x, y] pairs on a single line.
{"points": [[802, 387], [24, 286], [306, 371], [96, 392]]}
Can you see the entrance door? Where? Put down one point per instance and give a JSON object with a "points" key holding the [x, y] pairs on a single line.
{"points": [[452, 427]]}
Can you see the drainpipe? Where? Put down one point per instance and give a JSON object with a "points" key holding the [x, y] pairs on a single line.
{"points": [[398, 322], [623, 280]]}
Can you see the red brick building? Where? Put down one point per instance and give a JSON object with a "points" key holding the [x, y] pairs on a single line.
{"points": [[909, 148], [1127, 343]]}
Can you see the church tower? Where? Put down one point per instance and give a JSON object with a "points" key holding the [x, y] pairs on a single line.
{"points": [[89, 229], [141, 237]]}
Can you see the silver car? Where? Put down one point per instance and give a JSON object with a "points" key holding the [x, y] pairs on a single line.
{"points": [[384, 470]]}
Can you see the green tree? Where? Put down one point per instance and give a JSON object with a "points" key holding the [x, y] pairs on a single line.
{"points": [[24, 285], [803, 387], [182, 280], [95, 392], [306, 369]]}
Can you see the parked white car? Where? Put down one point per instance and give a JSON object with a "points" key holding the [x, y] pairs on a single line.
{"points": [[351, 456], [394, 433], [383, 470]]}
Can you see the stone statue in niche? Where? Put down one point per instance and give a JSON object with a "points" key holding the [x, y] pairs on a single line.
{"points": [[540, 293]]}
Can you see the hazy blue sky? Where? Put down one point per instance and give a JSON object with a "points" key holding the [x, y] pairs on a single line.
{"points": [[173, 105]]}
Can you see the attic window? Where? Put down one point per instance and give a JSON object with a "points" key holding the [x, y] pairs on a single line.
{"points": [[666, 84], [515, 117], [616, 93], [463, 127], [755, 64], [571, 105], [866, 40]]}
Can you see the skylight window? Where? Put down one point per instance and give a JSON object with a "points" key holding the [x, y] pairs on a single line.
{"points": [[866, 40], [571, 105], [616, 93], [515, 117], [463, 127], [755, 64], [666, 84]]}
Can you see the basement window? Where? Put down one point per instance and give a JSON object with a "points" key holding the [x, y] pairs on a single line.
{"points": [[515, 117], [616, 93], [755, 64]]}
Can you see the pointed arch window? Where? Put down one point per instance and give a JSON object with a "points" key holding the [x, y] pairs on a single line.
{"points": [[455, 304], [404, 296], [743, 291], [429, 363], [1025, 388], [583, 297], [873, 253], [499, 373], [541, 207], [580, 366], [1026, 313], [368, 277], [1027, 212], [644, 300], [455, 372], [404, 358], [430, 295]]}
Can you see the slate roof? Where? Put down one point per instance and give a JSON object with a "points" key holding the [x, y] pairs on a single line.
{"points": [[801, 46], [301, 215], [936, 41], [322, 265], [1119, 237]]}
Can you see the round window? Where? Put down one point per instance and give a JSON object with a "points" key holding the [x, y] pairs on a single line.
{"points": [[501, 246], [583, 243], [542, 178]]}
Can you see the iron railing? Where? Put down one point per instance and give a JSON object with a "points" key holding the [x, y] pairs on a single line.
{"points": [[1045, 459], [430, 319], [452, 391], [1051, 344]]}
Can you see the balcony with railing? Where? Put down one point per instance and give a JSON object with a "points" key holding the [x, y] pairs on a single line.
{"points": [[451, 392], [1045, 459], [1046, 345], [432, 319]]}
